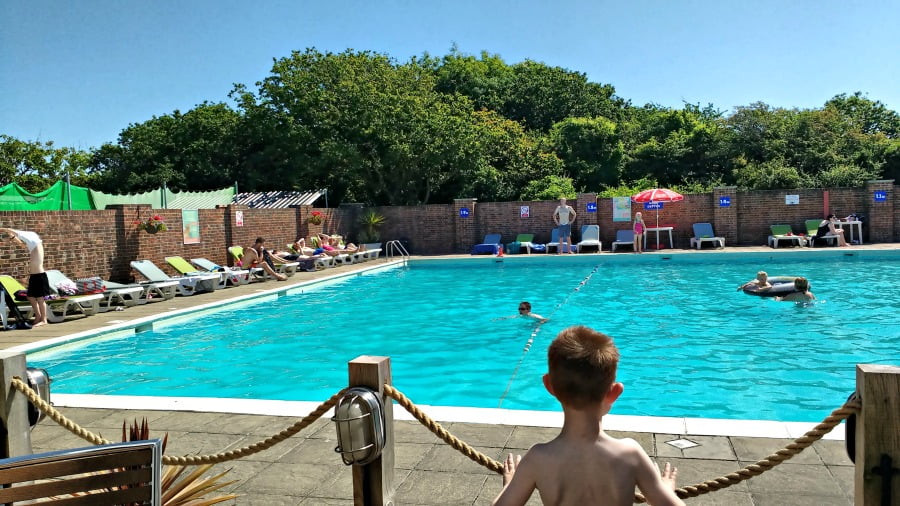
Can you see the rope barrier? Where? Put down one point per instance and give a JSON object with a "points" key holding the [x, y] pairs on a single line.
{"points": [[187, 460], [537, 330], [850, 407]]}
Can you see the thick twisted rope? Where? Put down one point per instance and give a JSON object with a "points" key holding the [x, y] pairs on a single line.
{"points": [[830, 422], [187, 460], [441, 432]]}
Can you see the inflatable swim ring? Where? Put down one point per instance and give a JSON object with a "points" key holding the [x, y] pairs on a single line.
{"points": [[781, 285]]}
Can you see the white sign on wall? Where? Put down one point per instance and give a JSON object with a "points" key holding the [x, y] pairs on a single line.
{"points": [[792, 200], [524, 211]]}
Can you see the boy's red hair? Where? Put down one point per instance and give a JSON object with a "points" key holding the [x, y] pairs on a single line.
{"points": [[582, 365]]}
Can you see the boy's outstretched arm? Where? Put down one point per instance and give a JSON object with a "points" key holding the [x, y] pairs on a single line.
{"points": [[658, 487], [518, 481]]}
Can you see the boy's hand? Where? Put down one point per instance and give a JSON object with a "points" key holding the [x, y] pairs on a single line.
{"points": [[509, 467], [669, 474]]}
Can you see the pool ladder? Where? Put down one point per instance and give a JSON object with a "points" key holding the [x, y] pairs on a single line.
{"points": [[395, 248]]}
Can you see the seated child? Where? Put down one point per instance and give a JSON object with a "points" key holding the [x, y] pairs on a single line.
{"points": [[761, 281], [584, 465]]}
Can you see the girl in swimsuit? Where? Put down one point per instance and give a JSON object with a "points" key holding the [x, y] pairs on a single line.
{"points": [[638, 229]]}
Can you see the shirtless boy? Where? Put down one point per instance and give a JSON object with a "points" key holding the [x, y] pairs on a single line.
{"points": [[584, 465]]}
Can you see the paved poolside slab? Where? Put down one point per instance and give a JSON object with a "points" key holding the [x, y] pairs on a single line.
{"points": [[305, 470]]}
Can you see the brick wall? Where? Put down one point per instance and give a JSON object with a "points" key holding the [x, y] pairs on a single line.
{"points": [[102, 243]]}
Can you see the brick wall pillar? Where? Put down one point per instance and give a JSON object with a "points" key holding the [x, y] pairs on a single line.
{"points": [[128, 239], [725, 221], [581, 204], [234, 235], [880, 215], [465, 229]]}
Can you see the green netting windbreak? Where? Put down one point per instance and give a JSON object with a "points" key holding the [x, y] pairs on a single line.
{"points": [[56, 198], [154, 198]]}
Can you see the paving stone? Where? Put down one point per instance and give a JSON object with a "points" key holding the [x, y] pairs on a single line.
{"points": [[437, 487], [526, 437], [845, 478], [447, 459], [757, 448], [481, 434], [413, 432], [239, 471], [832, 453], [409, 455], [694, 471], [709, 447], [314, 451], [645, 439], [725, 497], [766, 499], [797, 479], [286, 479]]}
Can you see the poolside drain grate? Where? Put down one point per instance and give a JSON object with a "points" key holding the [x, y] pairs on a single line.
{"points": [[682, 444]]}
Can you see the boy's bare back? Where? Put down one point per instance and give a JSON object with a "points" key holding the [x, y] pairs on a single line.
{"points": [[571, 471], [584, 465]]}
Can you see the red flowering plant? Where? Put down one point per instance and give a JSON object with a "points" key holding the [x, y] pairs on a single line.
{"points": [[152, 224], [315, 218]]}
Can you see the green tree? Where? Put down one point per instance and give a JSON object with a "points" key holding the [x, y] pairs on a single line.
{"points": [[35, 165], [591, 150], [550, 188], [191, 151]]}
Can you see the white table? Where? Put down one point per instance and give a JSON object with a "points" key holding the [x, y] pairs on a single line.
{"points": [[658, 230], [840, 224]]}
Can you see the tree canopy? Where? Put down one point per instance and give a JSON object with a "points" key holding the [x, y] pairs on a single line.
{"points": [[375, 130]]}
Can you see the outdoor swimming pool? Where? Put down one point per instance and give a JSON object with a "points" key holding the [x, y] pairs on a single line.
{"points": [[691, 345]]}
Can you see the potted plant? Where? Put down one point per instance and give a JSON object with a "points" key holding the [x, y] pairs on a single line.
{"points": [[152, 225], [371, 222], [315, 218]]}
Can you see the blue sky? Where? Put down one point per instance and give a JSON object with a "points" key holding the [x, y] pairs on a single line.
{"points": [[78, 72]]}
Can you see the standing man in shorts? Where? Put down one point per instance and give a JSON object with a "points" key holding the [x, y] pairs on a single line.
{"points": [[563, 216], [38, 284]]}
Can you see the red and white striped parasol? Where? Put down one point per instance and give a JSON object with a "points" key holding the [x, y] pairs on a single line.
{"points": [[657, 195]]}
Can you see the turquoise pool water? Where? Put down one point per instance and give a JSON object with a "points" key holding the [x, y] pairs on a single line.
{"points": [[691, 345]]}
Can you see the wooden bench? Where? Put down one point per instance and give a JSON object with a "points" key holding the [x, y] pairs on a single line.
{"points": [[120, 473]]}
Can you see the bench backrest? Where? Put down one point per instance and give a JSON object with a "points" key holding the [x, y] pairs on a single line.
{"points": [[120, 473]]}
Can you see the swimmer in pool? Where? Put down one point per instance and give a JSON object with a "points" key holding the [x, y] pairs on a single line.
{"points": [[802, 294], [524, 312]]}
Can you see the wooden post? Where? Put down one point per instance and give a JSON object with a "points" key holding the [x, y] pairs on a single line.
{"points": [[373, 484], [877, 434], [14, 407]]}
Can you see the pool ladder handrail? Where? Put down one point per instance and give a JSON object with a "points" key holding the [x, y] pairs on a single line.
{"points": [[395, 247]]}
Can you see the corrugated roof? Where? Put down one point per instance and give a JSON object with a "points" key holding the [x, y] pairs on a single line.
{"points": [[199, 200], [278, 199]]}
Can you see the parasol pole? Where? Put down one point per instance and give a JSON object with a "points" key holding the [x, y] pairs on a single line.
{"points": [[657, 228]]}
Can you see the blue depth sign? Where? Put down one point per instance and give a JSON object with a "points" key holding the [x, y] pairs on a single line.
{"points": [[591, 207], [880, 196], [724, 201], [463, 212], [650, 206]]}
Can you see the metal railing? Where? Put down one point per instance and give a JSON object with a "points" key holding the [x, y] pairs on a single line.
{"points": [[395, 248]]}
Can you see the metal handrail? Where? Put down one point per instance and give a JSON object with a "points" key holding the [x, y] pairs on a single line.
{"points": [[395, 247]]}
